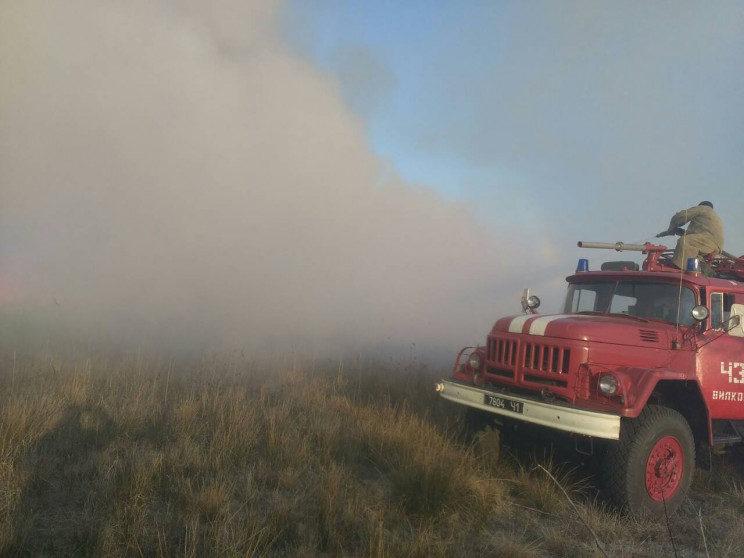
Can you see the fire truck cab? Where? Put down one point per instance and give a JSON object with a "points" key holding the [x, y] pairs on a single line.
{"points": [[643, 365]]}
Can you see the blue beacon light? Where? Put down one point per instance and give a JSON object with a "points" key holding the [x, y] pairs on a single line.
{"points": [[583, 265], [693, 265]]}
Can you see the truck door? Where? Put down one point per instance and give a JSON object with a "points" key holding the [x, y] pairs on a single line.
{"points": [[720, 362]]}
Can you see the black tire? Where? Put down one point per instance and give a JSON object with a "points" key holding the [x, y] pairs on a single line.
{"points": [[649, 471]]}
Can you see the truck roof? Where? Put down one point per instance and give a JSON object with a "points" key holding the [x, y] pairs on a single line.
{"points": [[659, 276]]}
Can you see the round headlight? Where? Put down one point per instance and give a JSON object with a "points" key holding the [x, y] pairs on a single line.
{"points": [[474, 361], [608, 384], [700, 313], [533, 302]]}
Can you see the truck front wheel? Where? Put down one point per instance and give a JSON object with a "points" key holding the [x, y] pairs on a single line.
{"points": [[648, 472]]}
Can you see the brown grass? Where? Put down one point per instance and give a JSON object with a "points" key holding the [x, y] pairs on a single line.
{"points": [[222, 458]]}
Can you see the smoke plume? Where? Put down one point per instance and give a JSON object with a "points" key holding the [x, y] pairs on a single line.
{"points": [[172, 171]]}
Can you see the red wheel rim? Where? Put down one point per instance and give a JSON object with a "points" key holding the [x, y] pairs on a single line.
{"points": [[664, 469]]}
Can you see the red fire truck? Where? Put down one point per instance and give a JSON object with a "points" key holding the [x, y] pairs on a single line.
{"points": [[643, 368]]}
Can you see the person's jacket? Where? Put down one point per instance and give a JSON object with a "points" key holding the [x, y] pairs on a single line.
{"points": [[703, 220]]}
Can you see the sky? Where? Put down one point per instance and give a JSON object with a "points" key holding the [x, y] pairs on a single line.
{"points": [[581, 118], [325, 175]]}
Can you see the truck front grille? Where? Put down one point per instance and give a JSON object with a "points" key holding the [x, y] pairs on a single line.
{"points": [[502, 351], [533, 363], [546, 358], [535, 357]]}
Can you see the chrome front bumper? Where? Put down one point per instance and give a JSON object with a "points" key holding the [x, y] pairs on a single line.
{"points": [[550, 415]]}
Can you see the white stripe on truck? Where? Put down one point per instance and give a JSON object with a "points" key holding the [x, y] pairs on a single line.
{"points": [[515, 326], [540, 323]]}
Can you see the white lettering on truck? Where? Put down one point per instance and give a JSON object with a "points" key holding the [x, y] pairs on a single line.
{"points": [[730, 370], [728, 395]]}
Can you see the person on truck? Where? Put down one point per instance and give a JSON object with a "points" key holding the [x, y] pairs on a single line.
{"points": [[703, 236]]}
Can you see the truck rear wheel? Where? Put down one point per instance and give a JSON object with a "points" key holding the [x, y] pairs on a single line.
{"points": [[648, 473]]}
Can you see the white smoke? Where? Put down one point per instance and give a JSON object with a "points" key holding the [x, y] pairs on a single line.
{"points": [[173, 170]]}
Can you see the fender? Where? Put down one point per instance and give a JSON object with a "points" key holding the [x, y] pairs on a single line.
{"points": [[639, 385]]}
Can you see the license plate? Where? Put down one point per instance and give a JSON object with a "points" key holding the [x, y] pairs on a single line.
{"points": [[503, 403]]}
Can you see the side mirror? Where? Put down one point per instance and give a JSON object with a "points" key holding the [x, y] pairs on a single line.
{"points": [[732, 323], [735, 324]]}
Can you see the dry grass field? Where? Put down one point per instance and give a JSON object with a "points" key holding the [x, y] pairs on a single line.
{"points": [[223, 457]]}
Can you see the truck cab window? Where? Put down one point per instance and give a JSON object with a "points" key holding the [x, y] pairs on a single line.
{"points": [[589, 297], [720, 309]]}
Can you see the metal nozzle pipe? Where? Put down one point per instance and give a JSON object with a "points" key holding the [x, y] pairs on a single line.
{"points": [[619, 246]]}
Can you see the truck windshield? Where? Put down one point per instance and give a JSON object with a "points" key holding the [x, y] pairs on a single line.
{"points": [[654, 301]]}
